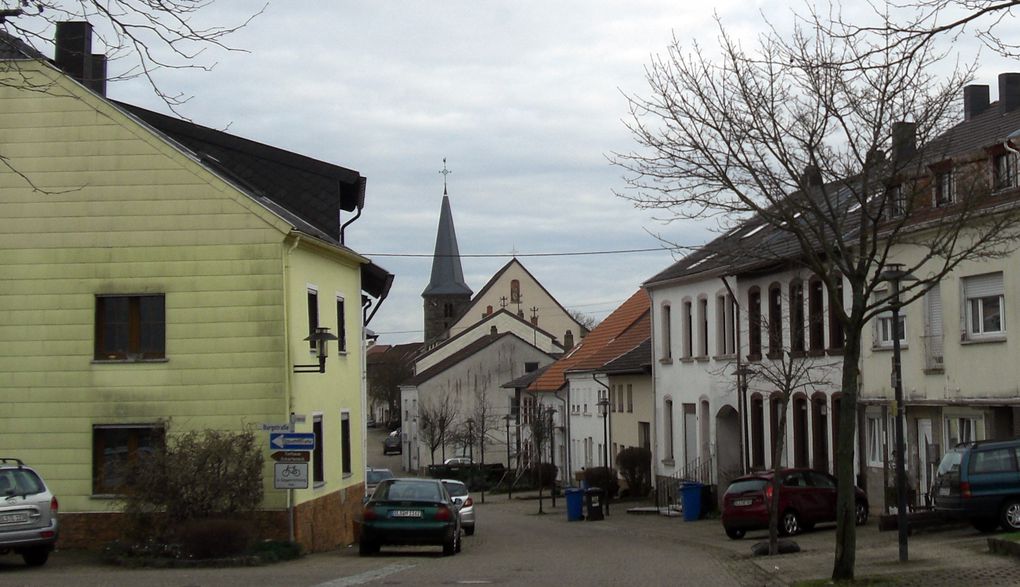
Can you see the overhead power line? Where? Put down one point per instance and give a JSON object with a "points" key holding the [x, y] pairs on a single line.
{"points": [[481, 255]]}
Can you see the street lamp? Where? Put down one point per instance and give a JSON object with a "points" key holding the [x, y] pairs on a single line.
{"points": [[743, 373], [604, 412], [510, 484], [552, 454], [894, 274], [320, 338]]}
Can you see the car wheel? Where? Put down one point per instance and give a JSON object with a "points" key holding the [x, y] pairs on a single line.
{"points": [[367, 548], [735, 534], [1011, 515], [36, 557], [790, 525], [450, 545], [861, 513], [469, 530]]}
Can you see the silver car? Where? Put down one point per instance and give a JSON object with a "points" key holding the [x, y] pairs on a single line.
{"points": [[459, 492], [28, 513]]}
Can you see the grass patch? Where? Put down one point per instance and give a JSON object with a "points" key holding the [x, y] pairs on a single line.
{"points": [[1011, 536]]}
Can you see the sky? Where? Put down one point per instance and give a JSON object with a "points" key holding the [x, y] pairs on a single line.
{"points": [[525, 100]]}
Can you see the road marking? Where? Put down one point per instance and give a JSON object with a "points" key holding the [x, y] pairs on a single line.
{"points": [[367, 576]]}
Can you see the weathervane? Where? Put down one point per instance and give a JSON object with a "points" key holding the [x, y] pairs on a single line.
{"points": [[445, 172]]}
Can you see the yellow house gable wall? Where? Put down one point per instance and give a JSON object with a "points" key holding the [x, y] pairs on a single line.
{"points": [[94, 203]]}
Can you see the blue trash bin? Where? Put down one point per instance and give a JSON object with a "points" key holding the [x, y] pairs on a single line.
{"points": [[575, 504], [690, 492]]}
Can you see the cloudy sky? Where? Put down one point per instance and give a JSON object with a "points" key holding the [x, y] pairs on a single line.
{"points": [[524, 99]]}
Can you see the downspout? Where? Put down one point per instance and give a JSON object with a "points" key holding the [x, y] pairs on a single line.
{"points": [[348, 223], [288, 395], [741, 393]]}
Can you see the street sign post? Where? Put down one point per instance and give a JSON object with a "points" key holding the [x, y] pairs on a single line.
{"points": [[290, 476], [303, 441]]}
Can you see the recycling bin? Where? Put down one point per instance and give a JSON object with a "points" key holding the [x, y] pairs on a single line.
{"points": [[575, 504], [690, 493], [595, 501]]}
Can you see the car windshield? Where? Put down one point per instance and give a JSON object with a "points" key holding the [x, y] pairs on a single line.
{"points": [[408, 491], [376, 475], [456, 489], [951, 462], [745, 485], [20, 482]]}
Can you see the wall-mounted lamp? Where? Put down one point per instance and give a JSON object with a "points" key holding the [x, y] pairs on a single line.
{"points": [[321, 338]]}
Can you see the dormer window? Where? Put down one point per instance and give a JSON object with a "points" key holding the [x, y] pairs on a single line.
{"points": [[945, 188], [897, 201], [1005, 169]]}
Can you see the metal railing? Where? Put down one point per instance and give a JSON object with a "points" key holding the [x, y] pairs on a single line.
{"points": [[667, 489]]}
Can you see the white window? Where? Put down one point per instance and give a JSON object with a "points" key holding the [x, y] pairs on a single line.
{"points": [[884, 327], [984, 305], [688, 330], [667, 334], [875, 441], [945, 188], [1005, 171], [897, 200], [965, 428]]}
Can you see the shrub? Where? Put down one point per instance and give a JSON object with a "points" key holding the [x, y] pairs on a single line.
{"points": [[220, 538], [635, 465], [199, 475], [548, 474], [603, 478]]}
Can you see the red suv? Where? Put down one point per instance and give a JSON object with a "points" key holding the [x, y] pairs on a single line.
{"points": [[806, 498]]}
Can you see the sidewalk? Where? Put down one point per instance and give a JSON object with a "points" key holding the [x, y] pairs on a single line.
{"points": [[957, 556]]}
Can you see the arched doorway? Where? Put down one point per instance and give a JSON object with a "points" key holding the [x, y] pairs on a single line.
{"points": [[727, 443]]}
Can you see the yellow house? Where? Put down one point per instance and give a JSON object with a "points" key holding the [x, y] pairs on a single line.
{"points": [[159, 277]]}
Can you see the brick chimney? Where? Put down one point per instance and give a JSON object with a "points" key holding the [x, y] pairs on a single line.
{"points": [[812, 176], [975, 100], [904, 140], [1009, 92], [75, 58]]}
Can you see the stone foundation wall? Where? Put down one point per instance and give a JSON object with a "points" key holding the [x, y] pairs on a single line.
{"points": [[93, 530], [328, 523]]}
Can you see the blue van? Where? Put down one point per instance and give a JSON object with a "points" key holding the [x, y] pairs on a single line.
{"points": [[980, 482]]}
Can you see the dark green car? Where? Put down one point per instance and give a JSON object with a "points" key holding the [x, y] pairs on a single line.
{"points": [[410, 512]]}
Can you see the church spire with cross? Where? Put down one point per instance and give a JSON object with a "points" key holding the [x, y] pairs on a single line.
{"points": [[447, 295]]}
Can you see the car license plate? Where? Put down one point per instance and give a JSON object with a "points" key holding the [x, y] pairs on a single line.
{"points": [[19, 518], [944, 491], [405, 514], [741, 502]]}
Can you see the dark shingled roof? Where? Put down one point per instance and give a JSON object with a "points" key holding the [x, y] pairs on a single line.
{"points": [[13, 48], [637, 360], [447, 274], [307, 192], [525, 380]]}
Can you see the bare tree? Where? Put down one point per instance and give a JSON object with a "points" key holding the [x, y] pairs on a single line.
{"points": [[385, 374], [587, 321], [436, 419], [541, 428], [787, 145]]}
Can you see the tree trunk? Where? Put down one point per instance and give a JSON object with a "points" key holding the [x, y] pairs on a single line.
{"points": [[846, 529], [777, 463]]}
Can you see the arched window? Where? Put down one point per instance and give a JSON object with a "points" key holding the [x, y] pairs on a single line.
{"points": [[754, 323], [515, 292], [836, 335], [775, 321], [667, 334], [816, 317], [797, 316]]}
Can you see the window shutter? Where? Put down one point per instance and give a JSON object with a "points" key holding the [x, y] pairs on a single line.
{"points": [[983, 286], [933, 306]]}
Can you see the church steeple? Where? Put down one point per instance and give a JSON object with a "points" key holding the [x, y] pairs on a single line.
{"points": [[447, 295]]}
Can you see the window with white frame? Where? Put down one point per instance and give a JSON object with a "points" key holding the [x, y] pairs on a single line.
{"points": [[884, 327], [875, 441], [964, 428], [984, 305], [667, 334], [897, 200], [1005, 168], [945, 187], [687, 323]]}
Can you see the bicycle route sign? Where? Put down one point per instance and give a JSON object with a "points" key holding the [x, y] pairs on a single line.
{"points": [[290, 475]]}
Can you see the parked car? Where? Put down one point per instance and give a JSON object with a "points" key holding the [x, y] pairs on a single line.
{"points": [[370, 422], [373, 477], [28, 513], [410, 512], [391, 444], [806, 498], [459, 492], [458, 461], [980, 482]]}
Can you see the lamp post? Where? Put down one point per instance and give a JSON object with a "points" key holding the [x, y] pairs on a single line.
{"points": [[743, 373], [510, 484], [471, 439], [320, 339], [604, 412], [894, 274], [552, 453]]}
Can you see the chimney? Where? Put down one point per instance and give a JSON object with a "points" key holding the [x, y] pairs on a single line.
{"points": [[1009, 92], [812, 176], [975, 100], [74, 49], [568, 340], [904, 140], [97, 83]]}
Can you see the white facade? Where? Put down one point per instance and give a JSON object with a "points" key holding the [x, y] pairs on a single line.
{"points": [[587, 431]]}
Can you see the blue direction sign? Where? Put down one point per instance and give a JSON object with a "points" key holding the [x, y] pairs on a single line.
{"points": [[292, 440]]}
